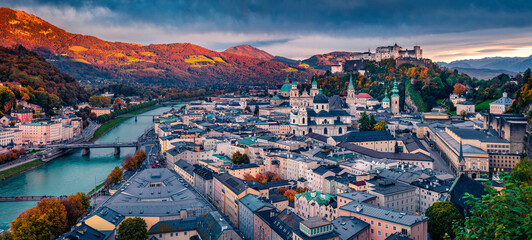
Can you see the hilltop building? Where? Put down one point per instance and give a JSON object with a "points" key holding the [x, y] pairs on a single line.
{"points": [[501, 105], [386, 52]]}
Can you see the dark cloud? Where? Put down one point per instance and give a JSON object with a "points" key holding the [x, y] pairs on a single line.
{"points": [[340, 17]]}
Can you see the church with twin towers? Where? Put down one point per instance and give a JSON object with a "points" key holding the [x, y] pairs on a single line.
{"points": [[313, 112]]}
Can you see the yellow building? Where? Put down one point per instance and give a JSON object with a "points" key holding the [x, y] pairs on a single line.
{"points": [[227, 191], [241, 170]]}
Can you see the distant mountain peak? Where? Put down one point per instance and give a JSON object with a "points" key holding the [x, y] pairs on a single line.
{"points": [[249, 51]]}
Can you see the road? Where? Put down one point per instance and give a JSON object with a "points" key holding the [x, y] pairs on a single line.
{"points": [[439, 163]]}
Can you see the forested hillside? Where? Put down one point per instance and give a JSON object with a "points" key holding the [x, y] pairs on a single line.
{"points": [[427, 86], [40, 82]]}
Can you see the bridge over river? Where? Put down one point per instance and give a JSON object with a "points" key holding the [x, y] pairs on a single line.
{"points": [[87, 146], [28, 198]]}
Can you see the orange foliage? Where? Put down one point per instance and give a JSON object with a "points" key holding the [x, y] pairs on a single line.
{"points": [[290, 194]]}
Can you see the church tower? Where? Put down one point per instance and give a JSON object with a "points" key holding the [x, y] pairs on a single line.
{"points": [[350, 100], [386, 101], [314, 90], [294, 93], [395, 98]]}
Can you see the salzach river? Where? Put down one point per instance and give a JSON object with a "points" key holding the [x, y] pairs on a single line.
{"points": [[72, 173]]}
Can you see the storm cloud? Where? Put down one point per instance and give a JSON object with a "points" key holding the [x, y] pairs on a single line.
{"points": [[300, 28]]}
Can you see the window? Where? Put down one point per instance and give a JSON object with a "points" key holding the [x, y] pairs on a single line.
{"points": [[386, 226], [325, 132]]}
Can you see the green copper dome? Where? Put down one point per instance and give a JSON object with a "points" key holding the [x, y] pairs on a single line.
{"points": [[275, 97], [314, 82], [386, 99], [286, 87]]}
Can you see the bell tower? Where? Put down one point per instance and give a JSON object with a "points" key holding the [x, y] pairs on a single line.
{"points": [[395, 99]]}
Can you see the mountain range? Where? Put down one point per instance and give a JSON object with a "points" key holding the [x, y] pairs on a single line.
{"points": [[491, 66], [93, 61]]}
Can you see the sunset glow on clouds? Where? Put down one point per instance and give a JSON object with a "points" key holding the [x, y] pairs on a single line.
{"points": [[446, 30]]}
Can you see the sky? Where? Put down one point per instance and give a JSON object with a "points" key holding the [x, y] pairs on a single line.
{"points": [[446, 30]]}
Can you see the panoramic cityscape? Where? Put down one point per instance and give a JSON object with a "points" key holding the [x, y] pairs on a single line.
{"points": [[265, 120]]}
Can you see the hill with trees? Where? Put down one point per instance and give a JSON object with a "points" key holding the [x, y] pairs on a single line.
{"points": [[27, 76], [427, 86]]}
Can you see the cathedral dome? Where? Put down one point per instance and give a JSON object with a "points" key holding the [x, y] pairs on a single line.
{"points": [[321, 98], [286, 87]]}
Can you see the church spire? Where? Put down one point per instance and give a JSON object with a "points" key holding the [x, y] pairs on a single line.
{"points": [[395, 90], [461, 154], [350, 82], [314, 82]]}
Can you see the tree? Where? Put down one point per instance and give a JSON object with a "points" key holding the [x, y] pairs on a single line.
{"points": [[459, 89], [99, 101], [380, 126], [139, 157], [133, 229], [282, 190], [463, 114], [256, 111], [522, 172], [239, 158], [442, 216], [74, 208], [115, 176], [46, 220], [365, 123], [290, 194], [128, 163], [499, 215], [85, 201]]}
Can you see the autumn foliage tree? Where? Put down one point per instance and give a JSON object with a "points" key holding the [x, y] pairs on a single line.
{"points": [[134, 162], [459, 89], [290, 194], [74, 208], [262, 177], [45, 221], [115, 176], [99, 101]]}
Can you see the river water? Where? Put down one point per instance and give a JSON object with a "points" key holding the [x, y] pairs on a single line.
{"points": [[72, 173]]}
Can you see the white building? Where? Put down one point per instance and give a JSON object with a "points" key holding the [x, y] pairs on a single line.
{"points": [[6, 136], [501, 105]]}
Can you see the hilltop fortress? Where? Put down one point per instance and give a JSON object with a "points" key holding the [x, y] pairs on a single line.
{"points": [[358, 61]]}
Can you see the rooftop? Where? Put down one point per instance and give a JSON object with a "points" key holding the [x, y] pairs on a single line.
{"points": [[383, 213], [365, 136], [157, 192], [348, 227], [358, 196]]}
